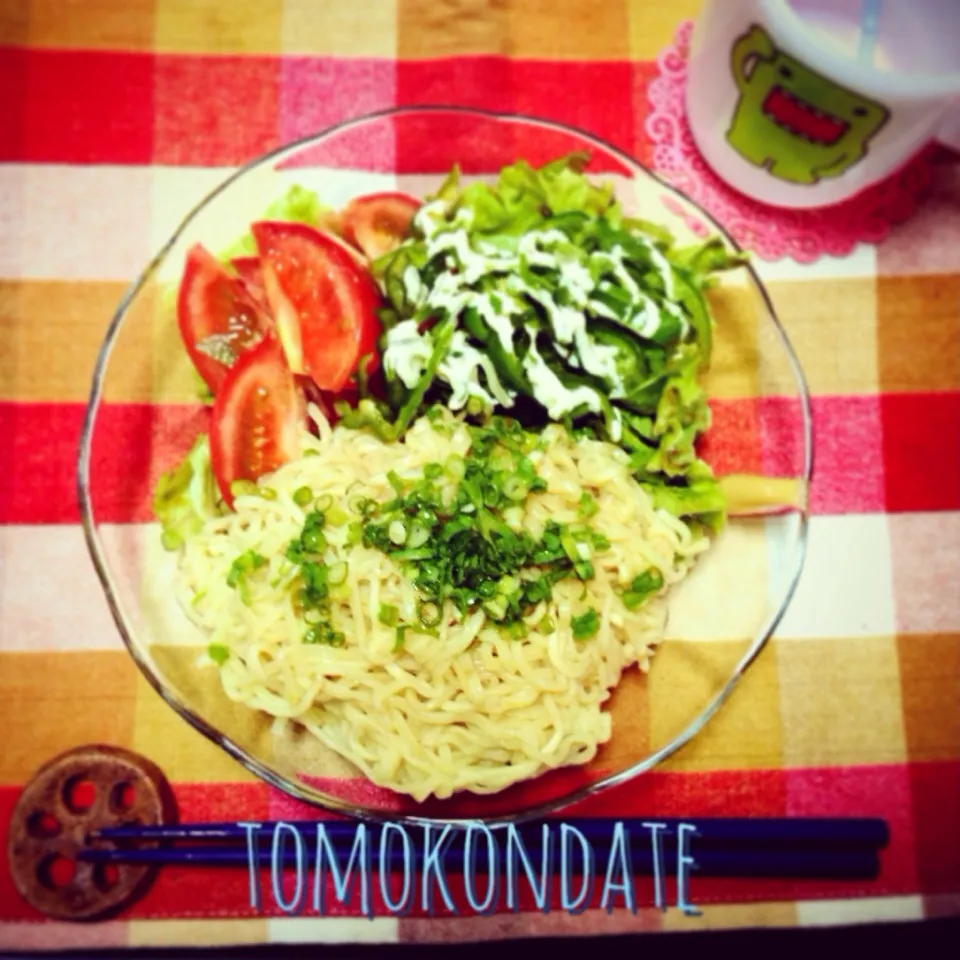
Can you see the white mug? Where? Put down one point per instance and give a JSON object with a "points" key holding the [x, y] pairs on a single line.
{"points": [[789, 106]]}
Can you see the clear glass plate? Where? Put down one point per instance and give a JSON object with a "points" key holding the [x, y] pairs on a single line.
{"points": [[143, 415]]}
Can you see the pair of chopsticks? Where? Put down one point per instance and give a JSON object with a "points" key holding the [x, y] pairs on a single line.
{"points": [[838, 848]]}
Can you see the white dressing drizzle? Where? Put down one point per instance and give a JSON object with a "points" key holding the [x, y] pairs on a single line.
{"points": [[407, 351], [461, 369]]}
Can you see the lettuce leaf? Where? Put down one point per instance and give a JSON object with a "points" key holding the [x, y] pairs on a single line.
{"points": [[524, 198], [702, 260], [297, 205], [702, 499], [186, 496]]}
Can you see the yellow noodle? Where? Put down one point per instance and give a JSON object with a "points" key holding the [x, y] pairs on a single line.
{"points": [[467, 710]]}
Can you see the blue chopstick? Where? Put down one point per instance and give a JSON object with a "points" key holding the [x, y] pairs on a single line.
{"points": [[832, 832], [809, 863]]}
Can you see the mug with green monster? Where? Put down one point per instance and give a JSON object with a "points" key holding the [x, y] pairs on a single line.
{"points": [[795, 123], [807, 103]]}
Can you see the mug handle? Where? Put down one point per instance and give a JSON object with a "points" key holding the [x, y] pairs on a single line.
{"points": [[753, 45]]}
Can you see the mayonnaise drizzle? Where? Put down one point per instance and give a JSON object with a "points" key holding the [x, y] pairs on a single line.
{"points": [[558, 399], [461, 369], [407, 350]]}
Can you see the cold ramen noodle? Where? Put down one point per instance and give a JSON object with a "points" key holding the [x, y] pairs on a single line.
{"points": [[450, 476]]}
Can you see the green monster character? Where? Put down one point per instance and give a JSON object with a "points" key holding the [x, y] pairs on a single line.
{"points": [[793, 122]]}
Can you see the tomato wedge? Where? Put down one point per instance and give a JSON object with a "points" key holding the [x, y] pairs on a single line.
{"points": [[250, 272], [378, 222], [218, 318], [323, 303], [256, 419]]}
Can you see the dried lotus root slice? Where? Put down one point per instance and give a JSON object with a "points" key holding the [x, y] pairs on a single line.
{"points": [[78, 792]]}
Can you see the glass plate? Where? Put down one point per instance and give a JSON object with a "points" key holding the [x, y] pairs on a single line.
{"points": [[143, 414]]}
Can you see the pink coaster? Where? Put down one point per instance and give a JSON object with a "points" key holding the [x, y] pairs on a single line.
{"points": [[769, 232]]}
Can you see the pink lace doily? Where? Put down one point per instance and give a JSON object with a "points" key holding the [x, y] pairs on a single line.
{"points": [[771, 233]]}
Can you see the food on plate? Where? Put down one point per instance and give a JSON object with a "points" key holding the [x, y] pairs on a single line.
{"points": [[450, 474], [448, 612], [255, 426], [377, 223], [218, 316], [324, 304]]}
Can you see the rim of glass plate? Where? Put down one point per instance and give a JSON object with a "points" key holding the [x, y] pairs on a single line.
{"points": [[304, 792]]}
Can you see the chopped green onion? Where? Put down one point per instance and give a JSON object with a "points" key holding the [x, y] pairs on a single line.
{"points": [[171, 540], [588, 506], [586, 625], [536, 591], [337, 574], [459, 546], [314, 541], [419, 535], [600, 542], [401, 636], [455, 466], [324, 503], [585, 570], [426, 517], [395, 482], [515, 488], [430, 614], [323, 633], [643, 586], [268, 493], [475, 406], [336, 516], [406, 556], [571, 547], [247, 562], [650, 580], [546, 625], [218, 653], [302, 496], [508, 586], [364, 506], [496, 607], [313, 616], [388, 615]]}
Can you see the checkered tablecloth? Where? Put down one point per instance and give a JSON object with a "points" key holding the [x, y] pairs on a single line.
{"points": [[119, 114]]}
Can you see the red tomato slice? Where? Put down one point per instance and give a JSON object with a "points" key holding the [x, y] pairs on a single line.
{"points": [[378, 222], [251, 273], [358, 258], [256, 419], [323, 303], [217, 317]]}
